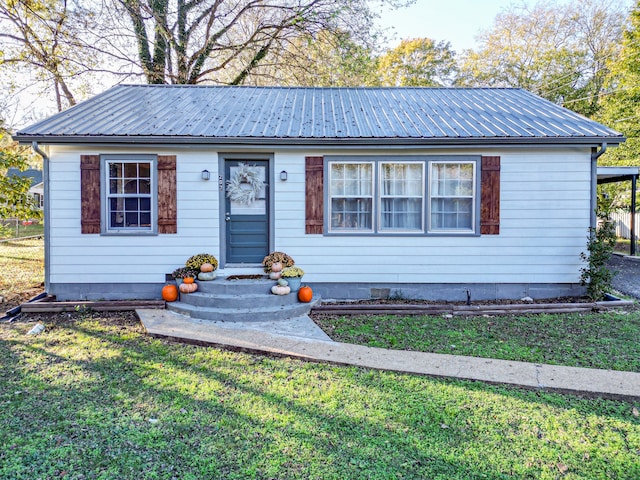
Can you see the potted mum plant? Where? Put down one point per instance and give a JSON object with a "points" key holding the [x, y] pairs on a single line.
{"points": [[180, 273], [293, 275], [275, 262]]}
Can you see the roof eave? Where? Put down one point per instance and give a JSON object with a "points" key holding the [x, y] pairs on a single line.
{"points": [[279, 141]]}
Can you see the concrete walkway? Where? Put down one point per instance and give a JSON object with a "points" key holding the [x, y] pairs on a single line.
{"points": [[301, 338]]}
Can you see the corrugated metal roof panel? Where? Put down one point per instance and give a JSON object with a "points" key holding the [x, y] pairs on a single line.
{"points": [[283, 113]]}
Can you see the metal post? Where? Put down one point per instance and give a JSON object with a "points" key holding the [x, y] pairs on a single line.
{"points": [[633, 215]]}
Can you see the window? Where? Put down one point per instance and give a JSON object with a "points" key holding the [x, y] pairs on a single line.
{"points": [[403, 195], [452, 196], [351, 193], [129, 194]]}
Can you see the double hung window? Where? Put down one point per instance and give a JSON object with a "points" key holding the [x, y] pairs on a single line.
{"points": [[129, 194], [352, 191], [451, 195], [403, 195]]}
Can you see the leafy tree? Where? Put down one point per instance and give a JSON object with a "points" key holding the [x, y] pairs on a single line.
{"points": [[418, 62], [621, 107], [557, 51], [15, 200], [325, 59], [621, 101]]}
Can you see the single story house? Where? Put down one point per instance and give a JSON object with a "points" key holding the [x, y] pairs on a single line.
{"points": [[37, 192], [416, 192]]}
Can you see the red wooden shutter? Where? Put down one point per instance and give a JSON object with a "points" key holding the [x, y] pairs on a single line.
{"points": [[490, 196], [167, 197], [90, 193], [314, 198]]}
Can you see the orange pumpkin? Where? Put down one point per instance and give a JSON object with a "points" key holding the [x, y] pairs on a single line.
{"points": [[305, 294], [188, 287], [169, 293], [188, 280], [206, 267]]}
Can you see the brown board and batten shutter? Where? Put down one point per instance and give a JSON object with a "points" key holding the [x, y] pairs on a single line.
{"points": [[167, 197], [90, 193], [314, 195], [490, 196]]}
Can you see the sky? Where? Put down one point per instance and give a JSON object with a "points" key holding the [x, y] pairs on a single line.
{"points": [[454, 21]]}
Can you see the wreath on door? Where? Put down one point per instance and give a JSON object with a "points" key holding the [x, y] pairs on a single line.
{"points": [[245, 185]]}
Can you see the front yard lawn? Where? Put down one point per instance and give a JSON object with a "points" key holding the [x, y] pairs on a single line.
{"points": [[93, 397], [607, 340], [21, 271]]}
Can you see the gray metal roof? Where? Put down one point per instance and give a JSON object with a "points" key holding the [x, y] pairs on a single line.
{"points": [[283, 115]]}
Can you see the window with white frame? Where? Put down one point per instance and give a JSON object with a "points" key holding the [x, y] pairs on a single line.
{"points": [[129, 194], [452, 196], [403, 195], [351, 194]]}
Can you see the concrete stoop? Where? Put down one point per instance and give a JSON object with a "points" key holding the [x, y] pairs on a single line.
{"points": [[241, 300]]}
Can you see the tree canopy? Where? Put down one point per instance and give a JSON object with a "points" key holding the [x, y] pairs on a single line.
{"points": [[559, 52], [15, 200], [418, 62]]}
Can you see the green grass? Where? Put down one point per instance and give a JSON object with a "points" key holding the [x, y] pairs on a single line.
{"points": [[19, 230], [94, 397], [21, 269], [606, 340]]}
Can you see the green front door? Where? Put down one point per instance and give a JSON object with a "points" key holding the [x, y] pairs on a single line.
{"points": [[246, 210]]}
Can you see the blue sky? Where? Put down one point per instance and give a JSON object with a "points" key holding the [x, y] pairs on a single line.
{"points": [[455, 21]]}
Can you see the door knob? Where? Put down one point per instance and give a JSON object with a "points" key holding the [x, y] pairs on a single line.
{"points": [[227, 216]]}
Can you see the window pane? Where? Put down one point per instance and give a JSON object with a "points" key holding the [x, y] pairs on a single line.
{"points": [[351, 214], [144, 186], [115, 170], [130, 170], [451, 214], [144, 170], [401, 213]]}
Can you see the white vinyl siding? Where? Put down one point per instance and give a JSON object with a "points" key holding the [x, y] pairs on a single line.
{"points": [[544, 219], [130, 258]]}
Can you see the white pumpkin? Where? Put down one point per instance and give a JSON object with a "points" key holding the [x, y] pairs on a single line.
{"points": [[280, 289]]}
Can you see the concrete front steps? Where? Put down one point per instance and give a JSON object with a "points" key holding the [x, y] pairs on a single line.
{"points": [[241, 300]]}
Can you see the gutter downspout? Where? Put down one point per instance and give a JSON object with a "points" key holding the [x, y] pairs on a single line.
{"points": [[47, 212], [595, 154]]}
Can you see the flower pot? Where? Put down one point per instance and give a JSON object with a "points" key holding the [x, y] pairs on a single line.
{"points": [[294, 283]]}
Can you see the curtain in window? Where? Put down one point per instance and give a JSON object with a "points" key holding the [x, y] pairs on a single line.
{"points": [[351, 196], [451, 196], [401, 196]]}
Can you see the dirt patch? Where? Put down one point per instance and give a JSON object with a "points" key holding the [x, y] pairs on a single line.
{"points": [[12, 300], [122, 318]]}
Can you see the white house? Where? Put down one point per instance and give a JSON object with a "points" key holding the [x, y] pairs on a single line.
{"points": [[428, 193], [37, 192]]}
